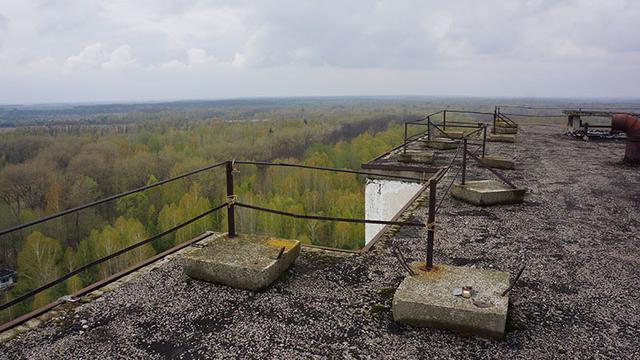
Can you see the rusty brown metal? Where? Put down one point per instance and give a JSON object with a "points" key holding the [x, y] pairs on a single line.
{"points": [[630, 125]]}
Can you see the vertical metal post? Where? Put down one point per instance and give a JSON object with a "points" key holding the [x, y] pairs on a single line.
{"points": [[431, 223], [405, 137], [464, 160], [428, 127], [231, 221], [444, 120], [484, 140], [495, 116]]}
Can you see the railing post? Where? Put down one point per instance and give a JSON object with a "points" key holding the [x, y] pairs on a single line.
{"points": [[484, 140], [464, 160], [428, 127], [405, 137], [444, 120], [231, 221], [431, 223], [495, 116]]}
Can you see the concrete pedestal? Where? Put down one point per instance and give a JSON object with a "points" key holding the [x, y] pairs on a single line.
{"points": [[487, 192], [501, 138], [498, 162], [427, 299], [246, 261], [415, 156], [454, 134], [442, 144], [506, 130]]}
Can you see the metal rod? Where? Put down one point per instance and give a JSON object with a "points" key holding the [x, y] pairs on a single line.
{"points": [[468, 112], [431, 218], [444, 120], [464, 160], [330, 218], [429, 128], [348, 171], [82, 292], [514, 282], [103, 259], [104, 200], [484, 141], [405, 138], [495, 115], [231, 221], [497, 174]]}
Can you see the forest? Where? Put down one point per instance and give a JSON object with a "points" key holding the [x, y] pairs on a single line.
{"points": [[47, 169]]}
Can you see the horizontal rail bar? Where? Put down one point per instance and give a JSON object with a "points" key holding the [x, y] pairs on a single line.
{"points": [[107, 199], [328, 218], [497, 174], [459, 125], [348, 171], [633, 107], [469, 112], [106, 258], [534, 116], [82, 292]]}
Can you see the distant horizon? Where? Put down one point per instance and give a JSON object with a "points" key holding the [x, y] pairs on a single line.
{"points": [[381, 96]]}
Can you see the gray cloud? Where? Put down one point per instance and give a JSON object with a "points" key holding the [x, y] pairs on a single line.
{"points": [[181, 49]]}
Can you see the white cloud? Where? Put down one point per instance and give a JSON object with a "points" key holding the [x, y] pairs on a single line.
{"points": [[174, 41], [120, 59], [90, 56]]}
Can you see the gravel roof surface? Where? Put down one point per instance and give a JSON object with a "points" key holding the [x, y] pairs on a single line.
{"points": [[577, 232]]}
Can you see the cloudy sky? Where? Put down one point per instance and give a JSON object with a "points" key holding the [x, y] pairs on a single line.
{"points": [[109, 50]]}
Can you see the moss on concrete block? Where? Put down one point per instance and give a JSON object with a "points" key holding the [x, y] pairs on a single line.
{"points": [[245, 261]]}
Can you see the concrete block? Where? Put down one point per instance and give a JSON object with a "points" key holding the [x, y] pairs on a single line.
{"points": [[427, 300], [498, 162], [501, 138], [506, 130], [487, 192], [442, 144], [415, 156], [454, 134], [245, 261], [504, 124]]}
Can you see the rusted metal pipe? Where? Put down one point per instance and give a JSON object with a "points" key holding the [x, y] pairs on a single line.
{"points": [[464, 161], [231, 221], [431, 224], [630, 125]]}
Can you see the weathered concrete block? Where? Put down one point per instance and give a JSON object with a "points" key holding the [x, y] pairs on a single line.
{"points": [[506, 130], [498, 162], [501, 138], [415, 156], [454, 134], [427, 299], [246, 261], [487, 192], [442, 144]]}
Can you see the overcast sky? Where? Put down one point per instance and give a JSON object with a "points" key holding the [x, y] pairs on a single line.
{"points": [[86, 50]]}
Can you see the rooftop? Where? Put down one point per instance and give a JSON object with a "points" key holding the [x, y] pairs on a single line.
{"points": [[577, 233]]}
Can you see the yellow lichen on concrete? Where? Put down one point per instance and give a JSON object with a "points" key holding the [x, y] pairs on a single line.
{"points": [[280, 243]]}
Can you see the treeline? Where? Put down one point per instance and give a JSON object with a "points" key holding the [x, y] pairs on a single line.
{"points": [[44, 174]]}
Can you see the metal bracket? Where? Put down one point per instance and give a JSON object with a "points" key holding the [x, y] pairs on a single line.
{"points": [[236, 168], [231, 200]]}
